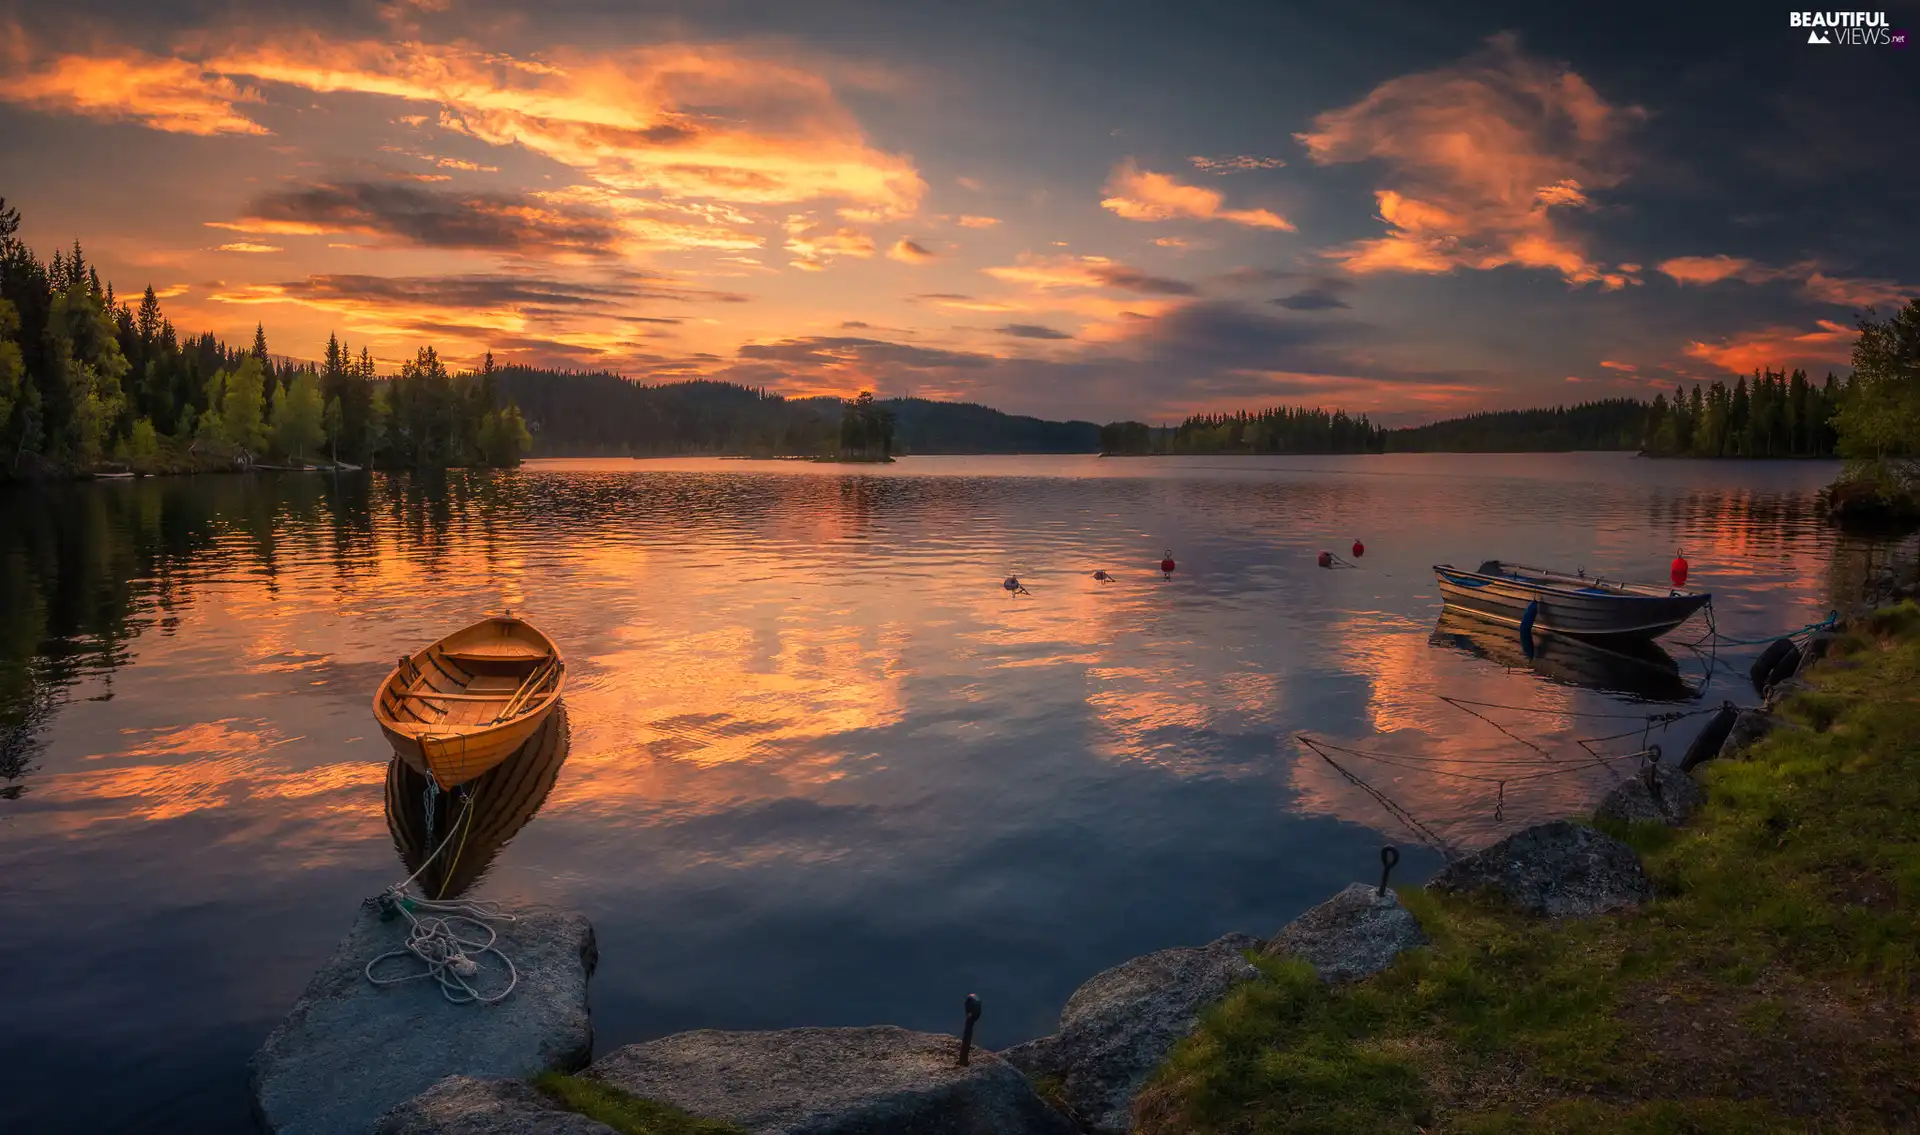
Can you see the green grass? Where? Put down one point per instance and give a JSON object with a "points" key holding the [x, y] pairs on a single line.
{"points": [[625, 1113], [1769, 988]]}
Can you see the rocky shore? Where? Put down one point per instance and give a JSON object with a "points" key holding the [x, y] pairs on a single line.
{"points": [[404, 1061]]}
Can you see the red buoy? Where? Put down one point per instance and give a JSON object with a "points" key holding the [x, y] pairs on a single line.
{"points": [[1679, 572], [1326, 559], [1166, 564], [1359, 549]]}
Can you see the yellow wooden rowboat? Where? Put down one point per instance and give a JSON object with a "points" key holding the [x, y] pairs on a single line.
{"points": [[464, 704]]}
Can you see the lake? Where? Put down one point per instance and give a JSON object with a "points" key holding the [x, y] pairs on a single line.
{"points": [[822, 769]]}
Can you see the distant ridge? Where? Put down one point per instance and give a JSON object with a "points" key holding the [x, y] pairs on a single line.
{"points": [[1613, 423], [574, 414]]}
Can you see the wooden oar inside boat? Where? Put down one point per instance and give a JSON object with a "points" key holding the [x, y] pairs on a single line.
{"points": [[461, 706]]}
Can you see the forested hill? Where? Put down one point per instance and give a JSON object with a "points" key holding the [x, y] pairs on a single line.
{"points": [[597, 414], [1616, 423]]}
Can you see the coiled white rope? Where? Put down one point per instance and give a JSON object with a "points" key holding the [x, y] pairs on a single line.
{"points": [[446, 937]]}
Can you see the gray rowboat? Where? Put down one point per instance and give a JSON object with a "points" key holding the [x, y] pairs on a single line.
{"points": [[1567, 604]]}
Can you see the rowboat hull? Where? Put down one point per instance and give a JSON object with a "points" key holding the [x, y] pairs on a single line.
{"points": [[462, 705], [456, 758], [1593, 611]]}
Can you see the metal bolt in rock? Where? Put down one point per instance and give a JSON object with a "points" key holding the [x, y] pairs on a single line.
{"points": [[966, 1033], [1389, 859]]}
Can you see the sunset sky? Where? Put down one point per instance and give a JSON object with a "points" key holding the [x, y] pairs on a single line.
{"points": [[1099, 210]]}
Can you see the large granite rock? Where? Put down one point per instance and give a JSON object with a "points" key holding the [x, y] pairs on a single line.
{"points": [[864, 1081], [462, 1105], [1355, 934], [1556, 869], [1119, 1026], [1661, 795], [349, 1050]]}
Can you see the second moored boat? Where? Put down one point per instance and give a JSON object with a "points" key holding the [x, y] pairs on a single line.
{"points": [[1566, 604]]}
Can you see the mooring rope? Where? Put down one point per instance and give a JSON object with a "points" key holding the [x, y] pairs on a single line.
{"points": [[1407, 819], [1713, 631], [447, 937], [1524, 770]]}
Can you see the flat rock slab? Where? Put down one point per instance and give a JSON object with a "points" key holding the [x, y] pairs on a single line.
{"points": [[1355, 934], [1662, 795], [349, 1050], [1558, 869], [1120, 1025], [858, 1081], [462, 1105]]}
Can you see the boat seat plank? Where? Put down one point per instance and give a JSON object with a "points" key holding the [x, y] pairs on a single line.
{"points": [[429, 695], [508, 651]]}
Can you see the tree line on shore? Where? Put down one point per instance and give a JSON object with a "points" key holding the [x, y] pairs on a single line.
{"points": [[1776, 415], [1612, 424], [88, 381]]}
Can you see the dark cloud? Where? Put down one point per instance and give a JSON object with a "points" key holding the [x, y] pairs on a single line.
{"points": [[470, 292], [1133, 280], [436, 218], [1323, 294], [1241, 277], [854, 325], [1218, 333], [841, 349], [1032, 331]]}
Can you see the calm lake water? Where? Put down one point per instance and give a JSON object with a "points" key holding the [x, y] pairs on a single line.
{"points": [[822, 768]]}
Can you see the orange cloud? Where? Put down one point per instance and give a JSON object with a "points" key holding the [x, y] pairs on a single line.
{"points": [[974, 221], [1627, 368], [1840, 291], [1086, 272], [677, 120], [1703, 270], [1483, 151], [909, 252], [1776, 347], [814, 247], [249, 246], [128, 86], [1857, 293], [1141, 195], [1235, 163]]}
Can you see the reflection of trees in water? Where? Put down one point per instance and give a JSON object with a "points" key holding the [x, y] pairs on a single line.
{"points": [[86, 568]]}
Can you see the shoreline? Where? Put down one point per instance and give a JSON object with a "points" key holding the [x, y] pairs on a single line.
{"points": [[1741, 996], [1705, 951]]}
